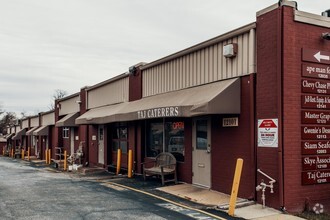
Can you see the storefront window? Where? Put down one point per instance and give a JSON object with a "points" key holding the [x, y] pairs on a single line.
{"points": [[155, 139], [120, 138], [166, 137]]}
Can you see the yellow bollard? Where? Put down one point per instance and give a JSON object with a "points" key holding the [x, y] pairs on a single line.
{"points": [[235, 187], [12, 153], [118, 161], [46, 156], [64, 160], [23, 156], [130, 163], [49, 156], [29, 153]]}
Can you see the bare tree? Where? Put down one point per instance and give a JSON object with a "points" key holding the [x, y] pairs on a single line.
{"points": [[9, 118], [58, 94], [24, 114]]}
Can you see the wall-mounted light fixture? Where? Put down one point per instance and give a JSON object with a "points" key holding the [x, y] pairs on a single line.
{"points": [[78, 102], [326, 13], [326, 36], [230, 50], [132, 70]]}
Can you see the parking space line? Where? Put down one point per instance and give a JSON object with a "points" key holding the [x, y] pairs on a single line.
{"points": [[166, 200]]}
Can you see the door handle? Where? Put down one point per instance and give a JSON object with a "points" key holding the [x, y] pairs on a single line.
{"points": [[208, 149]]}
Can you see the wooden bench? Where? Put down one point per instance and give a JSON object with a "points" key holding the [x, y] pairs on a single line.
{"points": [[164, 164]]}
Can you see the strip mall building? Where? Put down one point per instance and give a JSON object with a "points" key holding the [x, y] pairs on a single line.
{"points": [[260, 93]]}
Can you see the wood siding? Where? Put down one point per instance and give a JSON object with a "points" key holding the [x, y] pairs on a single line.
{"points": [[34, 122], [108, 94], [68, 106], [48, 119], [200, 67], [25, 123], [17, 128]]}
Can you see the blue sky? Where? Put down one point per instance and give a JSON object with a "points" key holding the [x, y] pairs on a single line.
{"points": [[68, 44]]}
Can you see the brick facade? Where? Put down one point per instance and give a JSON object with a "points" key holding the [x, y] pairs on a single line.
{"points": [[230, 143], [297, 36], [268, 98], [280, 41]]}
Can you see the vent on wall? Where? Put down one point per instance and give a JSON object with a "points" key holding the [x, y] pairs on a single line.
{"points": [[326, 13]]}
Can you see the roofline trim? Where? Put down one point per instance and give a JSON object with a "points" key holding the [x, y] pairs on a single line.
{"points": [[121, 76], [313, 19], [202, 45], [68, 97]]}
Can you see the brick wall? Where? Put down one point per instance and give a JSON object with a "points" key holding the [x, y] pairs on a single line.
{"points": [[135, 85], [268, 93], [2, 146], [52, 140], [185, 168], [278, 95], [83, 129], [93, 147], [296, 36], [231, 143]]}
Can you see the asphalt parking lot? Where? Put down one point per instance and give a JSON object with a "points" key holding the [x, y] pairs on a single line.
{"points": [[30, 191]]}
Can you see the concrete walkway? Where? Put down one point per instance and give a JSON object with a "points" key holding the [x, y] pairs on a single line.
{"points": [[244, 209]]}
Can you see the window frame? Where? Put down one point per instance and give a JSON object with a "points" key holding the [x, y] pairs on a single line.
{"points": [[165, 146], [65, 132], [119, 140]]}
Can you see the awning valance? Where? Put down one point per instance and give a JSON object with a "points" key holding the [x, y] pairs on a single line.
{"points": [[221, 97], [103, 115], [19, 134], [31, 130], [68, 120], [42, 131], [9, 136]]}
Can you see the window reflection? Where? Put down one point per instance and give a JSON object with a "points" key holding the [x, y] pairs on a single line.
{"points": [[155, 142], [166, 137], [119, 138], [201, 134]]}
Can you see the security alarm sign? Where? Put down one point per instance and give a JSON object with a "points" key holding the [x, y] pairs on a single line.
{"points": [[268, 133]]}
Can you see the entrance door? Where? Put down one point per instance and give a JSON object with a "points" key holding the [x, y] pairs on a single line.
{"points": [[101, 144], [35, 145], [46, 144], [72, 141], [201, 152]]}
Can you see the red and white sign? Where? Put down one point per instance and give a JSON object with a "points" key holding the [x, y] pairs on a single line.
{"points": [[314, 70], [315, 177], [268, 133], [315, 147], [316, 56]]}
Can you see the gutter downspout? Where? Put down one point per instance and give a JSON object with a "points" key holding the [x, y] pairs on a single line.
{"points": [[280, 107]]}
